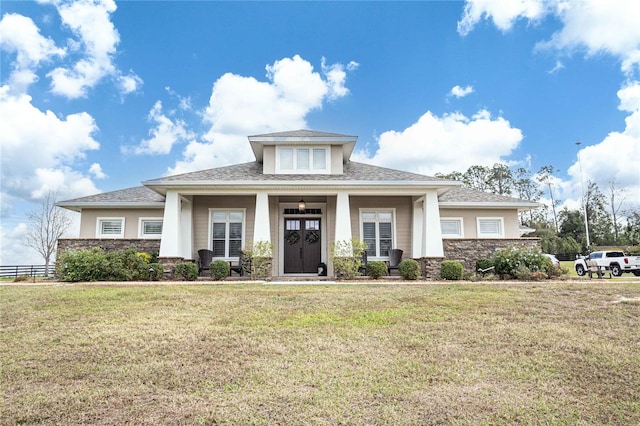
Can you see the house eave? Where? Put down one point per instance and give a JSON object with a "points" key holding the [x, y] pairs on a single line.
{"points": [[489, 205], [328, 186], [107, 205]]}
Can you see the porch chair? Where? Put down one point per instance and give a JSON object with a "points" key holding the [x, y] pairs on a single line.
{"points": [[204, 263], [395, 257]]}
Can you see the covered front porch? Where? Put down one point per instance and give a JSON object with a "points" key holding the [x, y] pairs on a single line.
{"points": [[300, 228]]}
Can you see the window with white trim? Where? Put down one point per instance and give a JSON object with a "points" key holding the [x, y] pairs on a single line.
{"points": [[377, 231], [451, 227], [227, 233], [110, 227], [302, 160], [490, 227], [150, 227]]}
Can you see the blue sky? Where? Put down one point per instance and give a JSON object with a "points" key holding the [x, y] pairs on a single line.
{"points": [[97, 96]]}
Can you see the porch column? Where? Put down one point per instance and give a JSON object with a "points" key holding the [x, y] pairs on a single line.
{"points": [[432, 232], [186, 225], [343, 217], [261, 226], [170, 242], [417, 240]]}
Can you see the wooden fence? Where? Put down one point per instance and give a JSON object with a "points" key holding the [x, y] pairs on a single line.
{"points": [[13, 271]]}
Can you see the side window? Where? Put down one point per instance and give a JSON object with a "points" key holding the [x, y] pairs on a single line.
{"points": [[150, 227], [490, 227], [451, 227], [110, 227]]}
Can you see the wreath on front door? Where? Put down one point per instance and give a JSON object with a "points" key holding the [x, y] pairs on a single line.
{"points": [[293, 237], [312, 237]]}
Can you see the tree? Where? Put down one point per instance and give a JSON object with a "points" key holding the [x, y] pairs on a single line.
{"points": [[544, 177], [600, 225], [46, 226], [501, 179], [526, 189], [619, 193]]}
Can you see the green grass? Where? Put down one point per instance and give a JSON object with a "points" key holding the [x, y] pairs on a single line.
{"points": [[540, 353]]}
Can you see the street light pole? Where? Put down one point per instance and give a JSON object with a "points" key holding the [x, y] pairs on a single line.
{"points": [[584, 201]]}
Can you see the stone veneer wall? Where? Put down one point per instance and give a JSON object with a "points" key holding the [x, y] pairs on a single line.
{"points": [[467, 251], [142, 245]]}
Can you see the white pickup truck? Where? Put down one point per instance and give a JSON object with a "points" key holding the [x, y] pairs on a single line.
{"points": [[613, 260]]}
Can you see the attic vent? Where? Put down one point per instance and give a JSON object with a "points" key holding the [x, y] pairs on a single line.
{"points": [[307, 211]]}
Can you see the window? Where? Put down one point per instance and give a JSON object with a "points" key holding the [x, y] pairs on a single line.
{"points": [[110, 227], [490, 227], [227, 233], [377, 231], [150, 227], [451, 227], [301, 160]]}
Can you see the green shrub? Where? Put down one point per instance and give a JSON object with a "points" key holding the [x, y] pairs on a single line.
{"points": [[376, 269], [451, 270], [409, 269], [158, 271], [483, 264], [507, 261], [21, 278], [187, 271], [346, 256], [126, 266], [219, 270], [82, 265]]}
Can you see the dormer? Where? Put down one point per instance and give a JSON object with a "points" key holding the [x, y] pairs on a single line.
{"points": [[302, 152]]}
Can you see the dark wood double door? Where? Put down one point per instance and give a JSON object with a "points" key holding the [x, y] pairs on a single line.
{"points": [[302, 245]]}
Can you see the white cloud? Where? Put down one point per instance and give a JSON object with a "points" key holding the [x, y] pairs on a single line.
{"points": [[241, 106], [164, 135], [460, 92], [617, 156], [39, 147], [20, 35], [503, 13], [444, 144], [96, 43], [595, 25], [96, 170]]}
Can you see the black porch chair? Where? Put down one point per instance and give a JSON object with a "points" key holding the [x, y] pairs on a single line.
{"points": [[243, 265], [395, 257], [204, 263]]}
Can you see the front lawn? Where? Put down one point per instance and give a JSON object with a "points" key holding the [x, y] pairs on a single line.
{"points": [[538, 353]]}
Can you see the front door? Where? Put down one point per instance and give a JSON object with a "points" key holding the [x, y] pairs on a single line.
{"points": [[302, 244]]}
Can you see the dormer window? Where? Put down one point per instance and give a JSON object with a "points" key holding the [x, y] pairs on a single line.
{"points": [[302, 160]]}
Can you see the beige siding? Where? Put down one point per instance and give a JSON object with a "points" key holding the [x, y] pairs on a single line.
{"points": [[469, 217], [89, 220], [336, 160], [403, 225], [201, 206], [269, 160]]}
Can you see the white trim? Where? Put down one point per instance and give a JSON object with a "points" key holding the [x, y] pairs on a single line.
{"points": [[226, 248], [460, 222], [99, 221], [308, 171], [393, 229], [499, 234], [141, 233]]}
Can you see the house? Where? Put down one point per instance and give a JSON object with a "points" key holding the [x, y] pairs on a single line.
{"points": [[302, 193]]}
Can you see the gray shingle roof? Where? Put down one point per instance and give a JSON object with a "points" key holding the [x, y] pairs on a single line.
{"points": [[466, 195], [253, 172], [138, 194]]}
